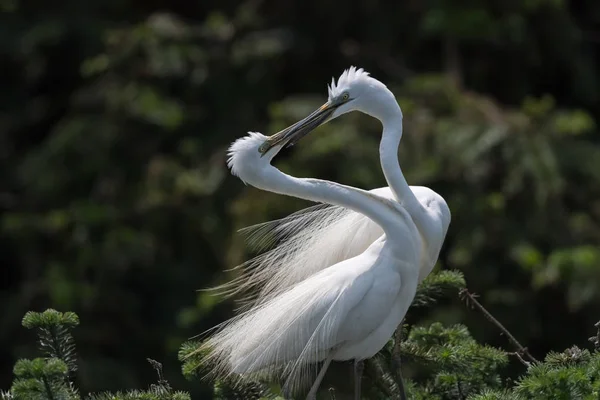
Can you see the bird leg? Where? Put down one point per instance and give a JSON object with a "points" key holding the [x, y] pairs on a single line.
{"points": [[359, 367], [312, 395], [401, 386]]}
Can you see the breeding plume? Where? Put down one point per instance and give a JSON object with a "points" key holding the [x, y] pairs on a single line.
{"points": [[351, 309]]}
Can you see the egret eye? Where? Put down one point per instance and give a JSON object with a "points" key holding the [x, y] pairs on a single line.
{"points": [[345, 97]]}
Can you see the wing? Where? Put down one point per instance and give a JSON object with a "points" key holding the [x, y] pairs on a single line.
{"points": [[299, 246], [300, 326]]}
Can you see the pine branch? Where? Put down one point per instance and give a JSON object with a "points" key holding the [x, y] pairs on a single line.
{"points": [[191, 358], [42, 378], [573, 374], [227, 390], [460, 365], [571, 356], [159, 391], [54, 334], [139, 395], [470, 300], [436, 285], [48, 378], [494, 395]]}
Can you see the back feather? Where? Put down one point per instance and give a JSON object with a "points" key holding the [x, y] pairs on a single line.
{"points": [[299, 246]]}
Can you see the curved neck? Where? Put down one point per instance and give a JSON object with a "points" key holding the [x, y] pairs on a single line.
{"points": [[382, 211], [388, 155]]}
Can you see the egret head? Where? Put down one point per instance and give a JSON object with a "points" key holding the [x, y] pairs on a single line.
{"points": [[355, 90]]}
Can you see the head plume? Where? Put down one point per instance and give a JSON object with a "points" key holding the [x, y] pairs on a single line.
{"points": [[347, 77], [244, 159]]}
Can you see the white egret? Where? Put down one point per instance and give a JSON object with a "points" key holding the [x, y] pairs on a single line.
{"points": [[351, 309], [318, 237]]}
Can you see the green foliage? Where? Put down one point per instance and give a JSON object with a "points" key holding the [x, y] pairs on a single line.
{"points": [[489, 394], [449, 365], [42, 379], [39, 368], [458, 366], [573, 374], [141, 395], [191, 359], [243, 391], [154, 393], [193, 368], [446, 363], [159, 391], [48, 378], [436, 285], [54, 334]]}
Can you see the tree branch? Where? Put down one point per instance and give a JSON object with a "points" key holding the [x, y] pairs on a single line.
{"points": [[470, 300]]}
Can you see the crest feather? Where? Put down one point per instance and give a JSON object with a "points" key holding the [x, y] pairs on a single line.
{"points": [[346, 78], [243, 158]]}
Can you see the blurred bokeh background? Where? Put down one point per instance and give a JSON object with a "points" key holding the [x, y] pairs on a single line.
{"points": [[116, 202]]}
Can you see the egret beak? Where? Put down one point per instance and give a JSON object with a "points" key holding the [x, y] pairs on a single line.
{"points": [[292, 134]]}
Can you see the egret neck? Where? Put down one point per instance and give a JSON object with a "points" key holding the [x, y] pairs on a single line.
{"points": [[390, 164]]}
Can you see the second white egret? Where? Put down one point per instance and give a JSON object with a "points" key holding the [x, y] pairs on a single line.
{"points": [[321, 236]]}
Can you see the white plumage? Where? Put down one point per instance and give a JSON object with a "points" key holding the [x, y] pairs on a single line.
{"points": [[347, 304], [347, 311], [310, 240], [347, 78]]}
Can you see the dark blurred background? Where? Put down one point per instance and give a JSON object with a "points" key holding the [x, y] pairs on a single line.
{"points": [[116, 202]]}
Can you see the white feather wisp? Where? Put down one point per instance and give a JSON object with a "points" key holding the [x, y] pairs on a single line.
{"points": [[282, 338], [297, 247]]}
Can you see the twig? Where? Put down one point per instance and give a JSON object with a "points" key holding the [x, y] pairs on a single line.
{"points": [[470, 300], [520, 358], [332, 393], [596, 339]]}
